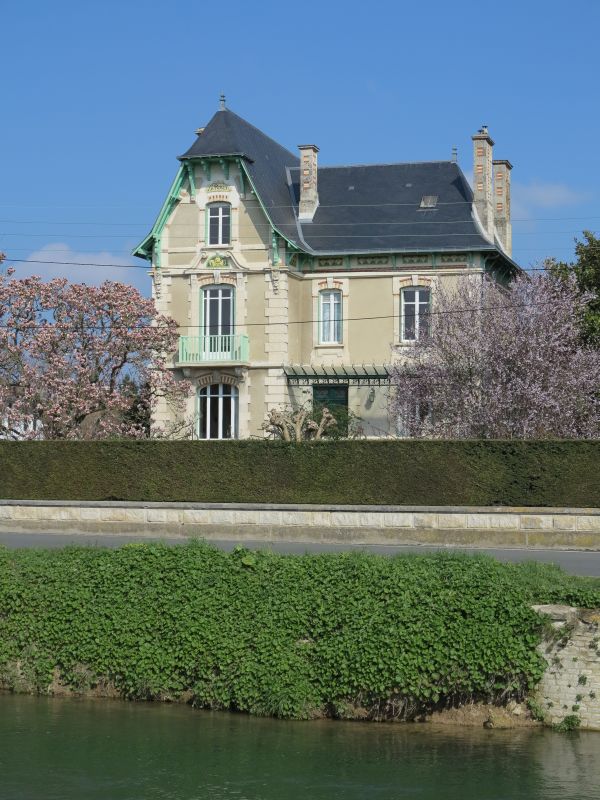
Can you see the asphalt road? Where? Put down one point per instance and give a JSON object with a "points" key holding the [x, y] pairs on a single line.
{"points": [[576, 562]]}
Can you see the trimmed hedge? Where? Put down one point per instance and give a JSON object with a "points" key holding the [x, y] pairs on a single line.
{"points": [[515, 473], [345, 635]]}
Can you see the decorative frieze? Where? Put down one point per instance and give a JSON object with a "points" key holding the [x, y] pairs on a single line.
{"points": [[217, 186], [331, 262], [373, 260], [453, 258], [414, 259]]}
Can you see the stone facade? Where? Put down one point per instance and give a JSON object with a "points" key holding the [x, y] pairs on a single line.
{"points": [[274, 285]]}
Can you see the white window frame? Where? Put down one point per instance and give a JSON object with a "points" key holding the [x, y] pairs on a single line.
{"points": [[217, 344], [327, 328], [417, 303], [219, 208], [215, 393]]}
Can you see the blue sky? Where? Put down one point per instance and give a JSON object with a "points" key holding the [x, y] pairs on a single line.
{"points": [[98, 99]]}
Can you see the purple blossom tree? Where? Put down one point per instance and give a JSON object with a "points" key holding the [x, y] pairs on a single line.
{"points": [[68, 354], [500, 364]]}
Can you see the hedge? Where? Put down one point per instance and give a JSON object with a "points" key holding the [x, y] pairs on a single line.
{"points": [[515, 473], [343, 635]]}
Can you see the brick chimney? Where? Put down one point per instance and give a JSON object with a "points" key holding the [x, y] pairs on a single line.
{"points": [[309, 197], [502, 170], [482, 179]]}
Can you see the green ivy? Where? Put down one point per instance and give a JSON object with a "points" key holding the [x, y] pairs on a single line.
{"points": [[290, 636]]}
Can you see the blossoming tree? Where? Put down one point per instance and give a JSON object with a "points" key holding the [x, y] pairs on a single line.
{"points": [[69, 354], [501, 363]]}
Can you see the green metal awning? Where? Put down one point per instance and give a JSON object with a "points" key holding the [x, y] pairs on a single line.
{"points": [[344, 374]]}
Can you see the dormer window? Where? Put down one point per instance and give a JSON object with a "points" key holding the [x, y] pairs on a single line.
{"points": [[429, 201], [219, 223]]}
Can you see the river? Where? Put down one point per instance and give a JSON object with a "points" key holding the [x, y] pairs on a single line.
{"points": [[69, 749]]}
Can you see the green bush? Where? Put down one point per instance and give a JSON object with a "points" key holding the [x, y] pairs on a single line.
{"points": [[569, 723], [291, 636], [405, 472]]}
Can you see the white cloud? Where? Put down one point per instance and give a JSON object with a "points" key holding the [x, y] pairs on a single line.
{"points": [[527, 198], [54, 260]]}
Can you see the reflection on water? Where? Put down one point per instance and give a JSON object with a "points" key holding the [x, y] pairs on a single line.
{"points": [[80, 749]]}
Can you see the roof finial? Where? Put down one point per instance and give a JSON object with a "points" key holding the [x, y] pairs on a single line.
{"points": [[222, 102], [454, 154]]}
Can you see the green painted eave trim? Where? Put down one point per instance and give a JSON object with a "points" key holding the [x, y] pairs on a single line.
{"points": [[147, 245], [243, 169]]}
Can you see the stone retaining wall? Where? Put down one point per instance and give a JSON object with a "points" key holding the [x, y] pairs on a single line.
{"points": [[571, 684], [468, 526]]}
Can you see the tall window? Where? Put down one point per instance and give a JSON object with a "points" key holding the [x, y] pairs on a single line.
{"points": [[330, 315], [217, 323], [415, 313], [217, 310], [219, 223], [217, 412]]}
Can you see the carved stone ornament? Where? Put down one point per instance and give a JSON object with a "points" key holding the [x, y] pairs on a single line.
{"points": [[217, 186], [217, 261]]}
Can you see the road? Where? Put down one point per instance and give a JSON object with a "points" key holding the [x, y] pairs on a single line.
{"points": [[576, 562]]}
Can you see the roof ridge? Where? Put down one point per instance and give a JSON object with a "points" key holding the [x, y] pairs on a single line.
{"points": [[384, 164]]}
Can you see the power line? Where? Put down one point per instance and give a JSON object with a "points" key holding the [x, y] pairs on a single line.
{"points": [[312, 224], [272, 206], [147, 268], [49, 326], [318, 235]]}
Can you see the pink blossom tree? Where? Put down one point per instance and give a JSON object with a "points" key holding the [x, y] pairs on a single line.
{"points": [[500, 363], [69, 354]]}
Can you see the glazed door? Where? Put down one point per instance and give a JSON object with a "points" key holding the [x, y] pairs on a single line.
{"points": [[217, 323]]}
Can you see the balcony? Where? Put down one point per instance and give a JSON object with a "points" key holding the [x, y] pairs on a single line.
{"points": [[212, 349]]}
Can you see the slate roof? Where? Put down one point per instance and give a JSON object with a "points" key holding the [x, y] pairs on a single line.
{"points": [[266, 161], [376, 207], [362, 208]]}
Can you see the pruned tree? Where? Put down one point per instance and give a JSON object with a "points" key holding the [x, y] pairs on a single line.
{"points": [[71, 355], [298, 425], [501, 364]]}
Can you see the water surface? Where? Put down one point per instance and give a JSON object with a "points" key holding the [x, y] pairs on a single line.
{"points": [[57, 749]]}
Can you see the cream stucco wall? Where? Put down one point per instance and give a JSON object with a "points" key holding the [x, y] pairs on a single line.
{"points": [[277, 306]]}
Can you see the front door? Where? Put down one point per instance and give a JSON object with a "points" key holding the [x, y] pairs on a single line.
{"points": [[217, 323], [335, 398]]}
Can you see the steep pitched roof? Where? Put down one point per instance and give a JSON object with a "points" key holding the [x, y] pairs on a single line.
{"points": [[362, 208], [377, 207], [265, 160]]}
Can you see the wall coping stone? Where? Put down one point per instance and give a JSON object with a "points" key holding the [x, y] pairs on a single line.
{"points": [[305, 507]]}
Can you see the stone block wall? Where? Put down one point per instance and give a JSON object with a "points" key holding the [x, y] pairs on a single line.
{"points": [[571, 684]]}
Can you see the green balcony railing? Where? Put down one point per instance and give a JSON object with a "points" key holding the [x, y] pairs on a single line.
{"points": [[210, 348]]}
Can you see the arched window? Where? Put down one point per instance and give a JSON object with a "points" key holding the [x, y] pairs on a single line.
{"points": [[415, 313], [330, 316], [217, 412], [219, 223]]}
